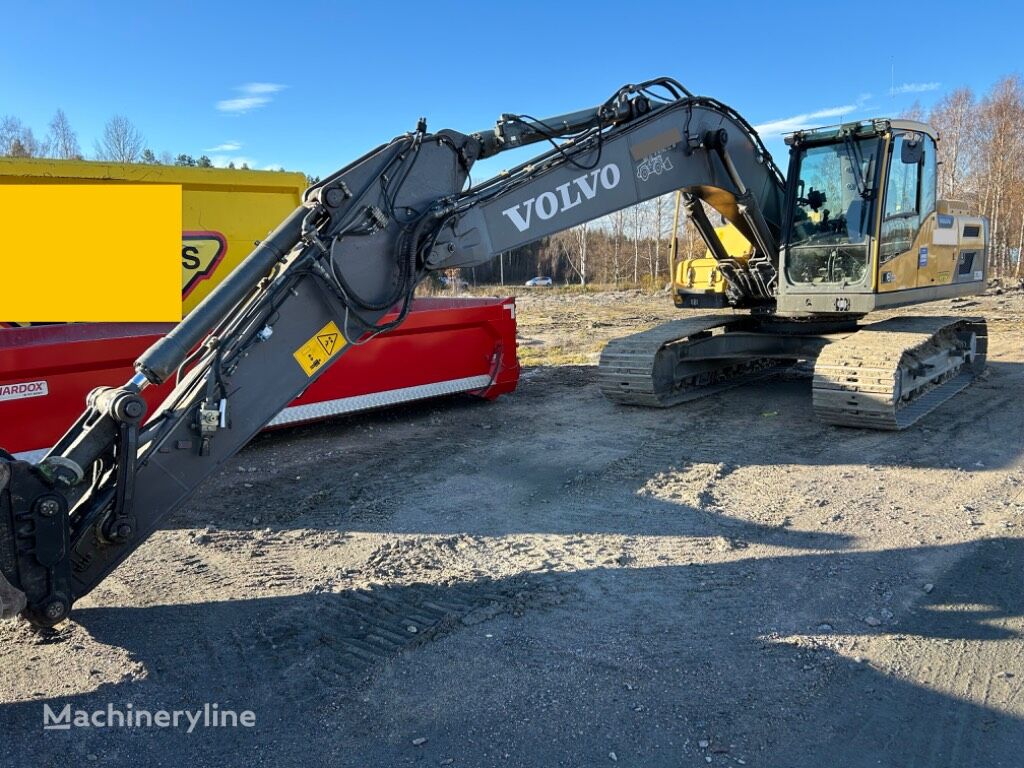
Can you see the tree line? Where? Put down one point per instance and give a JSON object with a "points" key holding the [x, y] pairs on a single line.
{"points": [[120, 142], [981, 156], [626, 248]]}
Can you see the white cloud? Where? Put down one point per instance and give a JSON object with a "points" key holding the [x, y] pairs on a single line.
{"points": [[915, 88], [261, 88], [273, 168], [813, 119], [227, 146], [254, 95], [803, 120], [243, 104]]}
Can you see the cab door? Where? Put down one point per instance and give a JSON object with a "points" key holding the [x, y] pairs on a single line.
{"points": [[936, 253], [907, 257]]}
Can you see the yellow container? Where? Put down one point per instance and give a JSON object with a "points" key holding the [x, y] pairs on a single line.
{"points": [[224, 211]]}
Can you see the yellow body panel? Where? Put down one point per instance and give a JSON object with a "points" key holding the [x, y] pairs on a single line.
{"points": [[938, 255], [701, 274], [224, 212]]}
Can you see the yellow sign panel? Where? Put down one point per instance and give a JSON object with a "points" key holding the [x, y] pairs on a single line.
{"points": [[201, 253], [91, 252], [312, 355]]}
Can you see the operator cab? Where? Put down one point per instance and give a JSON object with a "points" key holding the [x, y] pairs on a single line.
{"points": [[837, 174], [861, 211]]}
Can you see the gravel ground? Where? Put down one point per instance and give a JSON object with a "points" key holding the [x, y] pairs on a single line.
{"points": [[549, 580]]}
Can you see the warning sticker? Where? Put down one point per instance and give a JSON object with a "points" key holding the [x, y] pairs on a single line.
{"points": [[312, 355], [23, 389]]}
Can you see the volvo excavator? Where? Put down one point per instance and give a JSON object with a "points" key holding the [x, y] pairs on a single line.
{"points": [[854, 227]]}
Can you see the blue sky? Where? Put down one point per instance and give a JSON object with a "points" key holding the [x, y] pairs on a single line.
{"points": [[309, 86]]}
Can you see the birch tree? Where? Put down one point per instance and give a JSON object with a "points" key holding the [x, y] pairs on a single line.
{"points": [[121, 142], [17, 139], [999, 175], [62, 141], [955, 119]]}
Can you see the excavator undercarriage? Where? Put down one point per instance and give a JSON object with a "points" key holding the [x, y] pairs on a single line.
{"points": [[688, 359], [883, 375]]}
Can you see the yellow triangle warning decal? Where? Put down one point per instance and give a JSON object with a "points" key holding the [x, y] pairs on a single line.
{"points": [[327, 341], [325, 344]]}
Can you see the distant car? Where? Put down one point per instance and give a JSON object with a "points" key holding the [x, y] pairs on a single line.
{"points": [[457, 283], [534, 282]]}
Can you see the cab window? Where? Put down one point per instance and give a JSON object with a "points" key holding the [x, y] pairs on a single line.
{"points": [[904, 181], [903, 196], [929, 177]]}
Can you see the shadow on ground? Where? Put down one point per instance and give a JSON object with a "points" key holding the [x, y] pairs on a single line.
{"points": [[564, 668]]}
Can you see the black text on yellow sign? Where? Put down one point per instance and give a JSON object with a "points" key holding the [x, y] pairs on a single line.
{"points": [[91, 252], [201, 254], [320, 348]]}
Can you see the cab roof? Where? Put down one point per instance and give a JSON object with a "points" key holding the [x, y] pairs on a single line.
{"points": [[862, 128]]}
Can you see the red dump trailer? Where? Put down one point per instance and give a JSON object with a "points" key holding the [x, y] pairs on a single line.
{"points": [[445, 346]]}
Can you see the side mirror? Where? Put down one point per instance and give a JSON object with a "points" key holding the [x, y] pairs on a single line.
{"points": [[911, 152]]}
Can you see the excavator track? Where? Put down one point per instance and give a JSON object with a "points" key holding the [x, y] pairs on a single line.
{"points": [[12, 599], [644, 368], [890, 374]]}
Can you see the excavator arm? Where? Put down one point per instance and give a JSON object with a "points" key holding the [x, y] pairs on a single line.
{"points": [[689, 143], [321, 283]]}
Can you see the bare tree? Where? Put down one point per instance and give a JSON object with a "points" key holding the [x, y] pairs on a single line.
{"points": [[618, 235], [999, 173], [1020, 246], [122, 142], [572, 244], [955, 120], [661, 221], [658, 223], [62, 141], [580, 236], [9, 129], [17, 139], [637, 222], [914, 112], [691, 244]]}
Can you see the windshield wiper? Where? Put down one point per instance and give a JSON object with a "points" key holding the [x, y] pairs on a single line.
{"points": [[853, 153]]}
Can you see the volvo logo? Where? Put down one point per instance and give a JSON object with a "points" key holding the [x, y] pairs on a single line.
{"points": [[564, 196]]}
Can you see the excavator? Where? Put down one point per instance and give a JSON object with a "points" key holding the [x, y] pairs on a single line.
{"points": [[852, 228]]}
